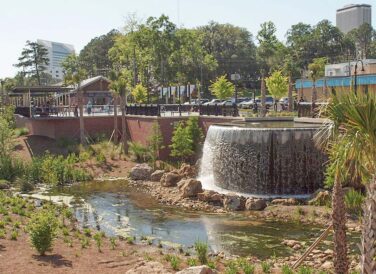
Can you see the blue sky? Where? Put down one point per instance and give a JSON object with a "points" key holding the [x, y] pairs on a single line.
{"points": [[77, 21]]}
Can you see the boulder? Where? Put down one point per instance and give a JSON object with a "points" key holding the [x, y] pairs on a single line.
{"points": [[141, 172], [156, 176], [321, 198], [170, 179], [202, 269], [233, 202], [255, 204], [148, 267], [210, 196], [285, 202], [190, 187], [187, 171]]}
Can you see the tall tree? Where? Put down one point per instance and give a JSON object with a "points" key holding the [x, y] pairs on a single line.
{"points": [[74, 75], [362, 38], [33, 60], [94, 56]]}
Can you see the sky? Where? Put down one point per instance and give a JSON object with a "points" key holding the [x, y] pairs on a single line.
{"points": [[78, 21]]}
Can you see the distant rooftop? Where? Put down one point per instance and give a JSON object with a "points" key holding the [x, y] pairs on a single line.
{"points": [[352, 6]]}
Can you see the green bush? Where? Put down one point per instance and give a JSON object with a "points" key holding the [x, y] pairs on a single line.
{"points": [[287, 270], [98, 240], [186, 140], [231, 268], [21, 131], [201, 249], [191, 262], [42, 230], [354, 201], [266, 267], [246, 266], [305, 270], [139, 151], [175, 262]]}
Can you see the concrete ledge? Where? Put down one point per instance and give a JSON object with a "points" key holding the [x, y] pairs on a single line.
{"points": [[311, 120], [269, 119]]}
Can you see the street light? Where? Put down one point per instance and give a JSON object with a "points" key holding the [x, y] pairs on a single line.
{"points": [[356, 75]]}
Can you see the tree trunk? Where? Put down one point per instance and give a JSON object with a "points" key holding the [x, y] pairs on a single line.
{"points": [[123, 125], [313, 99], [368, 249], [81, 108], [116, 128], [291, 101], [263, 97], [340, 260]]}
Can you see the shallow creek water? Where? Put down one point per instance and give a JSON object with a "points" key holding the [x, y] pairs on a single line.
{"points": [[116, 209]]}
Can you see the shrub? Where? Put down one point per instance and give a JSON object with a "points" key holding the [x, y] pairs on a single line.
{"points": [[305, 270], [84, 242], [287, 270], [354, 201], [14, 235], [98, 240], [155, 142], [21, 132], [175, 262], [231, 268], [113, 242], [42, 229], [2, 234], [100, 157], [266, 267], [201, 249], [138, 151], [246, 266], [182, 143], [192, 262]]}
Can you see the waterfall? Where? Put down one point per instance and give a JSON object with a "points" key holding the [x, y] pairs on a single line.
{"points": [[257, 161]]}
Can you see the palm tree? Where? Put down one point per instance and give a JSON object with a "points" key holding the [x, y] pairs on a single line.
{"points": [[350, 140], [74, 74]]}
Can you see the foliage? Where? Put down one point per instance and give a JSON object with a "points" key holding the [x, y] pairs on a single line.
{"points": [[266, 267], [6, 138], [354, 201], [140, 94], [94, 55], [195, 133], [155, 143], [21, 132], [138, 151], [305, 270], [287, 270], [222, 88], [182, 143], [317, 68], [231, 268], [8, 115], [277, 85], [33, 60], [98, 240], [246, 266], [42, 230], [191, 262], [201, 249]]}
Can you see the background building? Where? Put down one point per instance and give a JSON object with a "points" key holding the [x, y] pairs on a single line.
{"points": [[353, 16], [57, 52]]}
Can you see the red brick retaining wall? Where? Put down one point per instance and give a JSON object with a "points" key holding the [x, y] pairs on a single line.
{"points": [[139, 127]]}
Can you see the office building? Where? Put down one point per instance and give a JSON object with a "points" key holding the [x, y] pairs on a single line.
{"points": [[57, 52], [353, 16]]}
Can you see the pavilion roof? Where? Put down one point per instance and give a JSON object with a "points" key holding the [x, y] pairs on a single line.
{"points": [[40, 89]]}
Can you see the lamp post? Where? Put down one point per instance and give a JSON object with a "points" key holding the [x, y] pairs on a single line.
{"points": [[356, 75]]}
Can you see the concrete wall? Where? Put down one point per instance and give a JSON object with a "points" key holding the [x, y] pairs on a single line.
{"points": [[139, 128]]}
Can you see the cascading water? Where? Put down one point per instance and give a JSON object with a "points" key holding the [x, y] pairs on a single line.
{"points": [[261, 161]]}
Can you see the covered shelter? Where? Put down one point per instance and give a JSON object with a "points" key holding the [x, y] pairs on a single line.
{"points": [[40, 100]]}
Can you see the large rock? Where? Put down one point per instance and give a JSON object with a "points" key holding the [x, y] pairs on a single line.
{"points": [[321, 198], [170, 179], [187, 171], [190, 187], [202, 269], [285, 202], [148, 267], [156, 176], [233, 202], [141, 172], [210, 196], [255, 204]]}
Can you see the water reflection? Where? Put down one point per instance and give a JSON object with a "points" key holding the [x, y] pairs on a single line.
{"points": [[120, 211]]}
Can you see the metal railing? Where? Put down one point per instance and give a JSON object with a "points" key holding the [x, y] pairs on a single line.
{"points": [[132, 109]]}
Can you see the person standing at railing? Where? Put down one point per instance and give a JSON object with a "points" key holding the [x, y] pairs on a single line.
{"points": [[89, 107]]}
